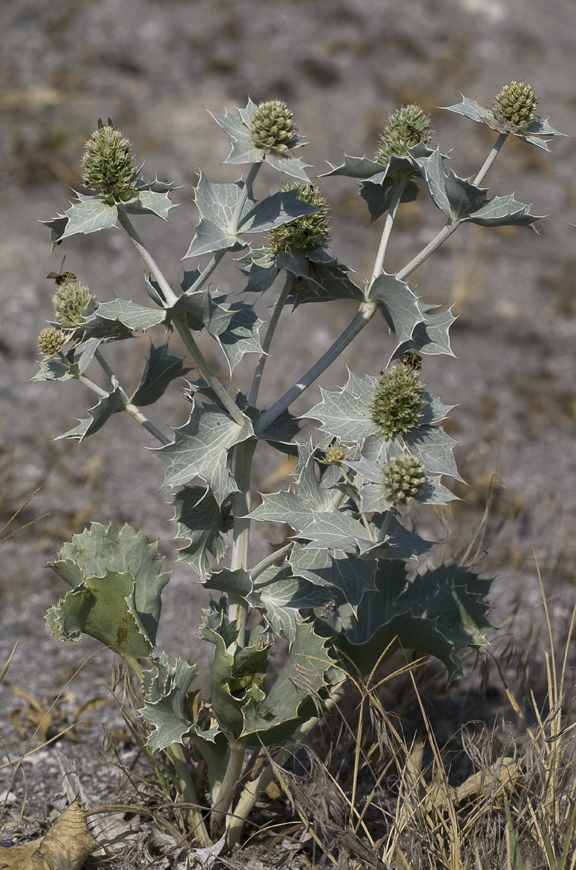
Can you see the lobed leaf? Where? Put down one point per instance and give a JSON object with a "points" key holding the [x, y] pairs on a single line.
{"points": [[161, 368], [114, 402], [201, 520]]}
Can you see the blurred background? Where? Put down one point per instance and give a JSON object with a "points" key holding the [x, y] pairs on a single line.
{"points": [[155, 67]]}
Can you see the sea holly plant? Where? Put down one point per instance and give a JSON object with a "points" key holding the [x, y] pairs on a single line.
{"points": [[351, 583]]}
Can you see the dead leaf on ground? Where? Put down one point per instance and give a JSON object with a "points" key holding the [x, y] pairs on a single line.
{"points": [[65, 846]]}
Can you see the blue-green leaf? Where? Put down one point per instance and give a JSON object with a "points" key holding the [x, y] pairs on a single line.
{"points": [[201, 520], [89, 215], [164, 689], [401, 303], [112, 403], [162, 367], [131, 315], [200, 449], [275, 210]]}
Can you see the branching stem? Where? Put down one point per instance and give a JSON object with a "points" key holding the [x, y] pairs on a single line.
{"points": [[288, 284]]}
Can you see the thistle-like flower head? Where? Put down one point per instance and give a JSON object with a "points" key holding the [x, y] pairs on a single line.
{"points": [[306, 233], [51, 340], [404, 478], [272, 127], [335, 453], [396, 405], [407, 127], [108, 163], [73, 302], [515, 104]]}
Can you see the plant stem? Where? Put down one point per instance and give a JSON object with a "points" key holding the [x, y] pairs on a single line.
{"points": [[242, 504], [364, 315], [491, 157], [206, 272], [165, 287], [439, 239], [229, 783], [397, 192], [246, 191], [134, 412], [179, 321], [252, 790], [269, 560], [188, 792], [253, 396]]}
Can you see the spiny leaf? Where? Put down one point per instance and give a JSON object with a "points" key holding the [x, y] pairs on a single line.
{"points": [[200, 449], [335, 568], [98, 549], [148, 202], [162, 367], [201, 520], [275, 210], [281, 596], [164, 688], [291, 698], [401, 303], [99, 414], [130, 314]]}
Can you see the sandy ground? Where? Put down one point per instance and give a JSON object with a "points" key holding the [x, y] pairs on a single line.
{"points": [[155, 68]]}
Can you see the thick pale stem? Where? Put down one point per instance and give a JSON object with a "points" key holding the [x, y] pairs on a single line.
{"points": [[432, 246], [131, 409], [253, 397], [491, 157], [389, 223], [252, 790], [247, 190], [241, 531], [165, 287], [270, 560], [188, 792], [229, 784], [365, 314], [207, 271], [180, 323]]}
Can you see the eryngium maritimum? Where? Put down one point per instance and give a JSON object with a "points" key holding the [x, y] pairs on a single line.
{"points": [[72, 303], [405, 128], [272, 127], [108, 163], [51, 340], [306, 233], [404, 478], [396, 405], [515, 104]]}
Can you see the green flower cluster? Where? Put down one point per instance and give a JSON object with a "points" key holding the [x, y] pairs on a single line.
{"points": [[334, 455], [396, 405], [73, 302], [404, 478], [51, 340], [108, 163], [272, 127], [515, 104], [306, 233], [407, 127]]}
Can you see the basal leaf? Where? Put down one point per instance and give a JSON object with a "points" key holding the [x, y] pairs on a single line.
{"points": [[335, 568], [164, 689], [99, 549]]}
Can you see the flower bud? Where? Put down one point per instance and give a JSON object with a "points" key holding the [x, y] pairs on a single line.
{"points": [[407, 127], [334, 455], [396, 405], [272, 127], [108, 163], [73, 302], [306, 233], [404, 478], [515, 104], [51, 340]]}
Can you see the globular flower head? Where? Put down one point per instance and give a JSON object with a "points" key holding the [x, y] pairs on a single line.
{"points": [[108, 163], [515, 104], [272, 127], [51, 340], [404, 478], [407, 127], [335, 453], [396, 405], [73, 302], [306, 233]]}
